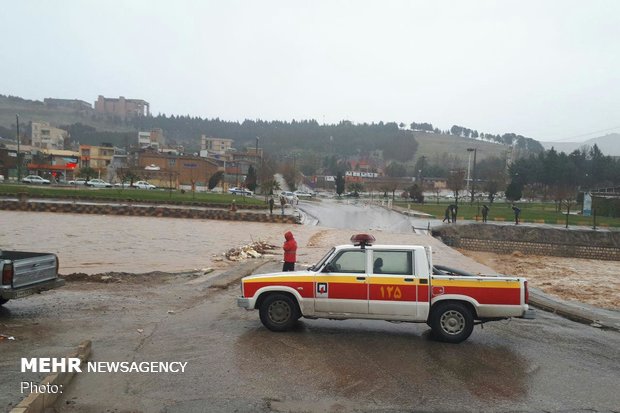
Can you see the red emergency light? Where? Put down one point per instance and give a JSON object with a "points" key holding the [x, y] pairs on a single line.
{"points": [[362, 240]]}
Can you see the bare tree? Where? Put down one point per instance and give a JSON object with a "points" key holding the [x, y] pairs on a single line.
{"points": [[456, 182]]}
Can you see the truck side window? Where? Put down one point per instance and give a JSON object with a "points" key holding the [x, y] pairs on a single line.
{"points": [[395, 262], [350, 262]]}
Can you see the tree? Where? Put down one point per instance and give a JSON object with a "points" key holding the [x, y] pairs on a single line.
{"points": [[250, 179], [456, 182], [339, 183], [395, 169], [289, 173], [87, 172], [514, 192], [356, 188], [269, 185], [415, 193], [215, 179]]}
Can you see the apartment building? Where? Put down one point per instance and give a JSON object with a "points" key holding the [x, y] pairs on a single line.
{"points": [[154, 139], [45, 136], [215, 146], [96, 157]]}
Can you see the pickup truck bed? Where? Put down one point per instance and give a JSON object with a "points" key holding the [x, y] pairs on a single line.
{"points": [[27, 273]]}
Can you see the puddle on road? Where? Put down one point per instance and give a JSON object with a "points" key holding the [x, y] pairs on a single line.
{"points": [[379, 362]]}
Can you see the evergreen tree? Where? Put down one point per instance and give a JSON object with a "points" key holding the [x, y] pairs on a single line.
{"points": [[339, 183]]}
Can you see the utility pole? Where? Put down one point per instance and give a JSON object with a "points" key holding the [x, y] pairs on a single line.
{"points": [[19, 166], [256, 153]]}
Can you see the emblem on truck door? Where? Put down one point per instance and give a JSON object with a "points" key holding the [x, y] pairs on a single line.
{"points": [[321, 290], [437, 291]]}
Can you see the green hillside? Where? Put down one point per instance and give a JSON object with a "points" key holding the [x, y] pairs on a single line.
{"points": [[433, 145]]}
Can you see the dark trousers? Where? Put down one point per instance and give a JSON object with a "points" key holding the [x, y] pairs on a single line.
{"points": [[288, 266]]}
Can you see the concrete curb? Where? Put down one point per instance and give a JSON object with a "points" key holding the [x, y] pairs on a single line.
{"points": [[38, 402], [579, 312]]}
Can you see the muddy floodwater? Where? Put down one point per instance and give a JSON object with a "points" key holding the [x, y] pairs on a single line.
{"points": [[94, 244]]}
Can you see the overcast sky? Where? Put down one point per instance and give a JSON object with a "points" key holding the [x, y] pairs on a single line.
{"points": [[546, 69]]}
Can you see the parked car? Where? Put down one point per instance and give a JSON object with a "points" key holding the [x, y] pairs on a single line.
{"points": [[303, 194], [289, 196], [98, 183], [143, 185], [240, 191], [35, 179], [123, 184], [78, 181]]}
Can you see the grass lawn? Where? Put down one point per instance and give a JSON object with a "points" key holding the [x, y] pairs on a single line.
{"points": [[128, 194], [537, 212]]}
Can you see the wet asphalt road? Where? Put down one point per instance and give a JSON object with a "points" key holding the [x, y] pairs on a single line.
{"points": [[235, 364], [359, 215]]}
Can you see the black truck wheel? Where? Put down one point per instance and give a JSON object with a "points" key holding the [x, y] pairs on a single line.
{"points": [[451, 322], [3, 301], [278, 312]]}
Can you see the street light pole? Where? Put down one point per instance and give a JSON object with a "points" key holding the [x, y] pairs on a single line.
{"points": [[470, 150], [473, 182], [256, 153], [19, 166]]}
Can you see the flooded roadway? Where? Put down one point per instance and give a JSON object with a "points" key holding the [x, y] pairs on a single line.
{"points": [[362, 215]]}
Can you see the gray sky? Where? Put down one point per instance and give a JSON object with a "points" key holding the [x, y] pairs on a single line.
{"points": [[546, 69]]}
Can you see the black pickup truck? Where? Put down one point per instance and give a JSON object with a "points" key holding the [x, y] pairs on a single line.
{"points": [[27, 273]]}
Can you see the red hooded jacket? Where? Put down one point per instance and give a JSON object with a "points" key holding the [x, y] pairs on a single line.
{"points": [[290, 248]]}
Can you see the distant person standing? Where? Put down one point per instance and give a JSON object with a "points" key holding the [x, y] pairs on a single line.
{"points": [[290, 252], [517, 212], [446, 215], [485, 213], [271, 203], [454, 210], [282, 203]]}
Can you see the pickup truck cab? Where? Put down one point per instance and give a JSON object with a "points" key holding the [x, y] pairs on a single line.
{"points": [[27, 273], [385, 282]]}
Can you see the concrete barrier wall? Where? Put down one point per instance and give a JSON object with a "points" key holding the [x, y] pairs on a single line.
{"points": [[146, 211], [536, 248], [75, 197], [532, 240]]}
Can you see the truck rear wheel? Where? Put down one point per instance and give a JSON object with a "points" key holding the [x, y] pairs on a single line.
{"points": [[278, 312], [452, 322]]}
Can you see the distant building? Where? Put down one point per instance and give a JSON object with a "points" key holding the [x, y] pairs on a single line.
{"points": [[154, 139], [96, 157], [121, 107], [45, 136], [54, 164], [215, 146], [169, 170]]}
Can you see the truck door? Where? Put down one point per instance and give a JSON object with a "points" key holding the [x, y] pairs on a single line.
{"points": [[342, 286], [393, 287]]}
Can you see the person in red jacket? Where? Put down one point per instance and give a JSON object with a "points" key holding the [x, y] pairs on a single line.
{"points": [[290, 252]]}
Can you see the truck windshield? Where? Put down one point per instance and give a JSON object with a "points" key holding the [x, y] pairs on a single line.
{"points": [[321, 262]]}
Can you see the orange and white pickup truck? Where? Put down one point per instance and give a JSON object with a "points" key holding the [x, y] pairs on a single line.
{"points": [[385, 282]]}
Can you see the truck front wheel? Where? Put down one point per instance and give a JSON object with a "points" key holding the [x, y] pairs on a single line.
{"points": [[452, 322], [278, 312]]}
